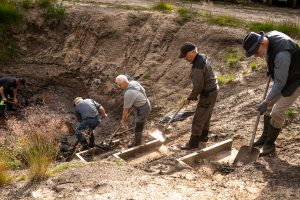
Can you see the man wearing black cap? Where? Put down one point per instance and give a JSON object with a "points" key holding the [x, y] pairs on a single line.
{"points": [[283, 61], [8, 92], [204, 85]]}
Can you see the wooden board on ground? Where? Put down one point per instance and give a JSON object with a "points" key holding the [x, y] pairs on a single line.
{"points": [[144, 152], [221, 152]]}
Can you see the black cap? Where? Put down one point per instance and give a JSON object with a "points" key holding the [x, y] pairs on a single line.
{"points": [[187, 47], [252, 42]]}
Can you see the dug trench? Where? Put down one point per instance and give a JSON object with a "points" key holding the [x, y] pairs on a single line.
{"points": [[82, 56]]}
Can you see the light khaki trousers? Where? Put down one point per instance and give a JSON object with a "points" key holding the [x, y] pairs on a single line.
{"points": [[279, 106]]}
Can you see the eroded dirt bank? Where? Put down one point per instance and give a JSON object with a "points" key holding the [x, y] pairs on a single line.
{"points": [[83, 55]]}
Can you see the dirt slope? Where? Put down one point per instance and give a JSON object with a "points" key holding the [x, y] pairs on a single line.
{"points": [[95, 44]]}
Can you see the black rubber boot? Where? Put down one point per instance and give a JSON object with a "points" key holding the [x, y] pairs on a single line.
{"points": [[92, 140], [137, 140], [204, 136], [192, 144], [261, 140], [269, 145], [85, 145]]}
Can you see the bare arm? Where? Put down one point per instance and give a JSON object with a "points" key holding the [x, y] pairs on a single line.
{"points": [[2, 94], [14, 90], [125, 114], [102, 112]]}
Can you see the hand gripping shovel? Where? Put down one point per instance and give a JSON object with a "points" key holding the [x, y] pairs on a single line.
{"points": [[158, 134], [249, 154]]}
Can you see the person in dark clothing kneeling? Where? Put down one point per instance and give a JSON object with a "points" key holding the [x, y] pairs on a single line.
{"points": [[282, 55], [8, 92], [204, 85]]}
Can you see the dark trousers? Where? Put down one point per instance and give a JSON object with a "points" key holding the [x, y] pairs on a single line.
{"points": [[89, 125], [201, 120]]}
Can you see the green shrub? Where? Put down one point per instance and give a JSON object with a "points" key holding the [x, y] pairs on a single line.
{"points": [[8, 13], [162, 6], [39, 151], [223, 80], [56, 12]]}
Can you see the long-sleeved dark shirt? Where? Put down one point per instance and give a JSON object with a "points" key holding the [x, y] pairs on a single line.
{"points": [[203, 77]]}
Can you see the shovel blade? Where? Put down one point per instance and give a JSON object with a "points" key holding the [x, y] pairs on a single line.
{"points": [[157, 134], [245, 155]]}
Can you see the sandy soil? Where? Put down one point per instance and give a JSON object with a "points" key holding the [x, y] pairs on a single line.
{"points": [[95, 43]]}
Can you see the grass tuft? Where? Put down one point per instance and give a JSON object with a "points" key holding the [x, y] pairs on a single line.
{"points": [[39, 151], [224, 80], [290, 113], [163, 7]]}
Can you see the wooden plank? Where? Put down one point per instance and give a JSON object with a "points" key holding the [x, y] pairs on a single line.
{"points": [[190, 159], [132, 152]]}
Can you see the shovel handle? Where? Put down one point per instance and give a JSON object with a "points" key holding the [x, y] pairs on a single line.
{"points": [[116, 131], [258, 117], [167, 125]]}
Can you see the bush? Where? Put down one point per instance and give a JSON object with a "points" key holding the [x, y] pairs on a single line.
{"points": [[39, 151], [162, 6], [8, 13]]}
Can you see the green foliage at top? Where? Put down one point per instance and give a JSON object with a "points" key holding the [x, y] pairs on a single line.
{"points": [[186, 14], [290, 28], [56, 12], [163, 6], [8, 13], [222, 20]]}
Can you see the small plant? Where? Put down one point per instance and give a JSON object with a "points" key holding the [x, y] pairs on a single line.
{"points": [[163, 7], [56, 12], [253, 65], [223, 80], [290, 113], [39, 151], [232, 58], [119, 162]]}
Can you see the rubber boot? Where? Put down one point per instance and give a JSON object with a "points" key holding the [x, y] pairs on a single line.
{"points": [[204, 136], [269, 145], [85, 145], [92, 140], [261, 140], [137, 140], [192, 143]]}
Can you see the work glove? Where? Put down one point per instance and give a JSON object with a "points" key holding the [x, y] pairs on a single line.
{"points": [[262, 107]]}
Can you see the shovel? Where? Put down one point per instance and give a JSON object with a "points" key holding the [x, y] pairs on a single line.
{"points": [[109, 144], [249, 154], [158, 134]]}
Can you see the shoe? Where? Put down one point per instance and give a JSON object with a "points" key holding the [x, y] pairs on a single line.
{"points": [[269, 145], [136, 141], [192, 144]]}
